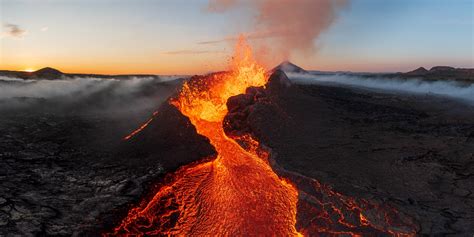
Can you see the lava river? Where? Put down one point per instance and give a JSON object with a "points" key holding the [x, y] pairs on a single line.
{"points": [[236, 193]]}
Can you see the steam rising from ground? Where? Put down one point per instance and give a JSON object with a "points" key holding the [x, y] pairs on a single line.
{"points": [[57, 88], [85, 95], [453, 89], [289, 24]]}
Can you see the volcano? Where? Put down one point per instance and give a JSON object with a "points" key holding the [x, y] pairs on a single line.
{"points": [[289, 67], [239, 189]]}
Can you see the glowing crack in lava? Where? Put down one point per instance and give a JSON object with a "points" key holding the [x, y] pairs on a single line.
{"points": [[143, 126], [237, 193]]}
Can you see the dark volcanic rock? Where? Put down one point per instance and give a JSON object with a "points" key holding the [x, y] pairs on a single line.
{"points": [[278, 82], [67, 172], [56, 179], [168, 139], [247, 110]]}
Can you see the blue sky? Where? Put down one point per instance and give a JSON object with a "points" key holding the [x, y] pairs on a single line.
{"points": [[398, 34], [161, 36]]}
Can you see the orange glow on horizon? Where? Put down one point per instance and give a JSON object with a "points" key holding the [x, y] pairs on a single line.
{"points": [[169, 68], [203, 64], [29, 70]]}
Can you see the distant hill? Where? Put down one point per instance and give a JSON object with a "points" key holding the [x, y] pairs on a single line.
{"points": [[442, 73], [49, 73], [418, 72], [436, 73], [287, 66]]}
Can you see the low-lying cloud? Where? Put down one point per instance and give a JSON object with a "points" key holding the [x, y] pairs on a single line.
{"points": [[453, 89], [11, 87], [85, 95]]}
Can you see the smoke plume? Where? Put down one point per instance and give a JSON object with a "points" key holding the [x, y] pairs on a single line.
{"points": [[288, 24]]}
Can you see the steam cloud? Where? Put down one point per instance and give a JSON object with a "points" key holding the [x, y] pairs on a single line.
{"points": [[289, 24], [457, 90]]}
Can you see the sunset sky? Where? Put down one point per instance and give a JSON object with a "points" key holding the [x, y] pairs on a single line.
{"points": [[165, 36]]}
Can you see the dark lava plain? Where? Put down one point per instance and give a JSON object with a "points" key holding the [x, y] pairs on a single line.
{"points": [[64, 168]]}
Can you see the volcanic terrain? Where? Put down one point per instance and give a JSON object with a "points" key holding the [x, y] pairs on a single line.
{"points": [[359, 161]]}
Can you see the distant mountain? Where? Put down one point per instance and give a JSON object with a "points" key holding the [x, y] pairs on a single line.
{"points": [[442, 69], [418, 72], [52, 74], [287, 66], [442, 73], [48, 73]]}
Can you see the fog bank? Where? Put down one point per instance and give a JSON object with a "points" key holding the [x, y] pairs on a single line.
{"points": [[104, 97], [453, 89]]}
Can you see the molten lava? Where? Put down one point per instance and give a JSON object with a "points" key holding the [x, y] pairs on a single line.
{"points": [[237, 192]]}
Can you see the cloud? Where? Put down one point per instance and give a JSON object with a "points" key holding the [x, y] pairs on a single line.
{"points": [[12, 30], [178, 52], [254, 35], [223, 40], [45, 28]]}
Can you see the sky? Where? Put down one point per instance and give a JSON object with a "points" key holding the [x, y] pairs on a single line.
{"points": [[165, 36]]}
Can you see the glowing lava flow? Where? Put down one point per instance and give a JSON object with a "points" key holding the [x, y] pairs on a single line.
{"points": [[235, 194]]}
